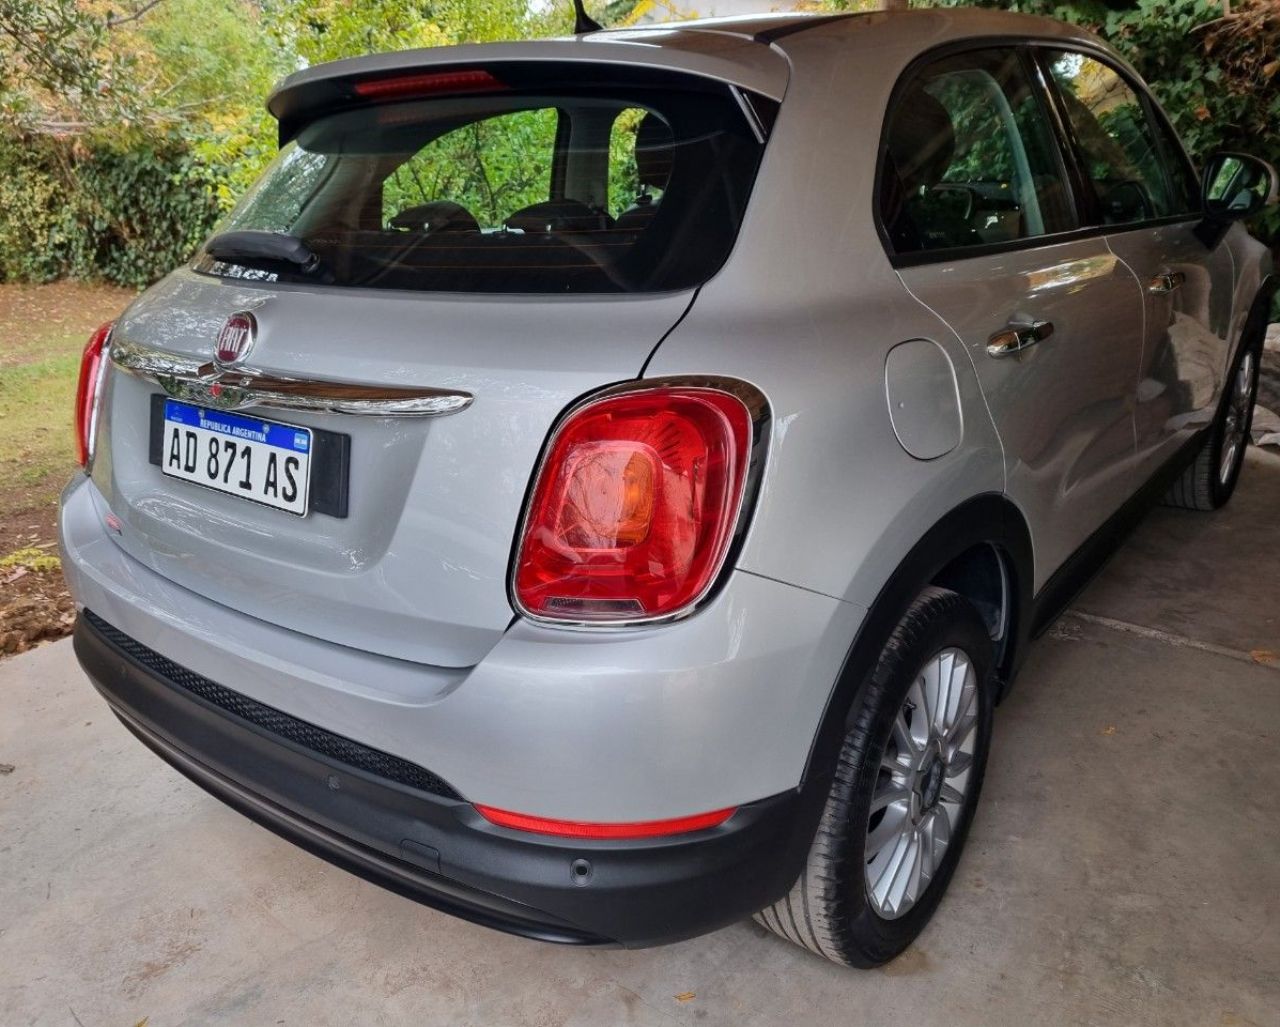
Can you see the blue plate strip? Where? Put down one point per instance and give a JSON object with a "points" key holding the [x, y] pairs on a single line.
{"points": [[237, 426]]}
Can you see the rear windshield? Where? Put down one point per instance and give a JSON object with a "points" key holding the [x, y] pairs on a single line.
{"points": [[582, 187]]}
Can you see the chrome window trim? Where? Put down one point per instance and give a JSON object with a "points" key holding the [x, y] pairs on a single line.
{"points": [[757, 405], [749, 113], [955, 254], [202, 382]]}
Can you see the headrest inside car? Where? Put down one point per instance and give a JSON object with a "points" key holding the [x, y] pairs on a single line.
{"points": [[654, 143]]}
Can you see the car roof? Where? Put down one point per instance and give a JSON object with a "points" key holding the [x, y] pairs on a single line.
{"points": [[749, 51]]}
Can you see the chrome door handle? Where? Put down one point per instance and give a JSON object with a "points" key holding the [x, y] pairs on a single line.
{"points": [[1017, 336], [1166, 282]]}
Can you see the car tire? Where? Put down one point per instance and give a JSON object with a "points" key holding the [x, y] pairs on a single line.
{"points": [[861, 906], [1210, 479]]}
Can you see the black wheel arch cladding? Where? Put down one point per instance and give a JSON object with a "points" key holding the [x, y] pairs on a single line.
{"points": [[987, 519]]}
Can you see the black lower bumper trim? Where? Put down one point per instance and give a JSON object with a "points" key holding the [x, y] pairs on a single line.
{"points": [[393, 874], [437, 850], [273, 721]]}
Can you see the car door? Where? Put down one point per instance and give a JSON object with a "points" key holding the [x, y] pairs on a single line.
{"points": [[978, 212], [1142, 188]]}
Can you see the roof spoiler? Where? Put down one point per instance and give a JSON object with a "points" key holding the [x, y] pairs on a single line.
{"points": [[489, 68]]}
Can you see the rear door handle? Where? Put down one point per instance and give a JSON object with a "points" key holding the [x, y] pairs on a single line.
{"points": [[1017, 336], [1166, 282]]}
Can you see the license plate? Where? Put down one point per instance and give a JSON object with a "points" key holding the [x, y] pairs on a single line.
{"points": [[263, 461]]}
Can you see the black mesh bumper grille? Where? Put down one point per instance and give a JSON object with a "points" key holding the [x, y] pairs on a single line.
{"points": [[267, 718]]}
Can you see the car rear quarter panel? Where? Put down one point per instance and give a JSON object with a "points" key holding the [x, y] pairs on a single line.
{"points": [[808, 308]]}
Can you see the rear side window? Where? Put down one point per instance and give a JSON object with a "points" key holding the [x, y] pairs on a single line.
{"points": [[1136, 170], [581, 186], [969, 158]]}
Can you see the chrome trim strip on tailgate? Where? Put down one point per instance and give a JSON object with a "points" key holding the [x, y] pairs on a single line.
{"points": [[202, 382]]}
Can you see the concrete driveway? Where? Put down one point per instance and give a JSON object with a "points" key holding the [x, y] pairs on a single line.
{"points": [[1123, 868]]}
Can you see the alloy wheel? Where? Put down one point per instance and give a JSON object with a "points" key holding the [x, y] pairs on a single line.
{"points": [[1238, 409], [922, 784]]}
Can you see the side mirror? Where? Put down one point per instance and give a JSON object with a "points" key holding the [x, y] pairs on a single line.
{"points": [[1237, 186]]}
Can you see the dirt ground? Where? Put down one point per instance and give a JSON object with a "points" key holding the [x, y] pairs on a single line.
{"points": [[42, 331]]}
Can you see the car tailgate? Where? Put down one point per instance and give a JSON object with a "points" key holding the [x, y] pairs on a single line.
{"points": [[418, 567]]}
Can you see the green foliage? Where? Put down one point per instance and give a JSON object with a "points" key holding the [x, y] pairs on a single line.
{"points": [[124, 133], [492, 167], [1210, 76], [127, 216], [502, 164], [217, 62], [58, 71], [127, 126], [327, 30]]}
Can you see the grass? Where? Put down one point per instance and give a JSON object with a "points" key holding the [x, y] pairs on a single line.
{"points": [[36, 420], [41, 322], [37, 447], [42, 331], [32, 559], [46, 343]]}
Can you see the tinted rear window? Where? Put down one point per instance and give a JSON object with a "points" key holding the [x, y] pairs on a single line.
{"points": [[605, 186]]}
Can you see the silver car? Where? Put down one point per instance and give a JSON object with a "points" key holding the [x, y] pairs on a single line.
{"points": [[602, 487]]}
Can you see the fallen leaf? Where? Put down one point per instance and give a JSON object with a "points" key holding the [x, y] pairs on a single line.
{"points": [[686, 996], [1264, 656], [1110, 729], [6, 768]]}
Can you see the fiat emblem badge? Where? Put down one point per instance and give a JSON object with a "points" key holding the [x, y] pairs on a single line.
{"points": [[235, 339]]}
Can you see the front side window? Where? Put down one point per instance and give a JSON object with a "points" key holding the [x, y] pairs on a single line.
{"points": [[969, 158], [548, 185], [1134, 173]]}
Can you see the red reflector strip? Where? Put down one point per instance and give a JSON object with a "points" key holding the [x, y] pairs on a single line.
{"points": [[428, 85], [578, 829]]}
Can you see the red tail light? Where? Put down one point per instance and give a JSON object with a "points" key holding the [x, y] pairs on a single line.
{"points": [[635, 506], [93, 366], [579, 829], [432, 84]]}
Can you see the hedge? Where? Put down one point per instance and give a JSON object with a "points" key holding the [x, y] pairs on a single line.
{"points": [[124, 216]]}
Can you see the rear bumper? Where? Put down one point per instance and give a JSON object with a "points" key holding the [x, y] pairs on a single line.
{"points": [[414, 835], [709, 713]]}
